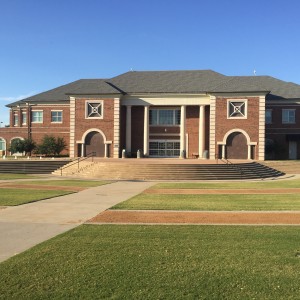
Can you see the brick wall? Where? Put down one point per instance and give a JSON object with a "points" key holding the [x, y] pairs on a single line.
{"points": [[250, 124], [281, 133], [38, 130], [83, 124]]}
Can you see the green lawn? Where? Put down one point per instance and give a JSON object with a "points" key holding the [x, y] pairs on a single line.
{"points": [[230, 185], [11, 197], [158, 262], [212, 202]]}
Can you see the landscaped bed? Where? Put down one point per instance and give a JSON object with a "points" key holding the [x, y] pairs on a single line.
{"points": [[158, 262]]}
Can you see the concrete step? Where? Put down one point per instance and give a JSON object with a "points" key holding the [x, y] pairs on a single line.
{"points": [[148, 171], [31, 166]]}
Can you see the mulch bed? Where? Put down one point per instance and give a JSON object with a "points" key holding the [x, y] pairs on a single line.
{"points": [[180, 217], [222, 191], [200, 217]]}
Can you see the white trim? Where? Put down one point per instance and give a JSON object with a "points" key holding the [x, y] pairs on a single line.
{"points": [[146, 130], [163, 100], [245, 103], [212, 128], [237, 130], [116, 149], [201, 133], [249, 143], [261, 128], [16, 137], [182, 130], [91, 130], [72, 126], [5, 143]]}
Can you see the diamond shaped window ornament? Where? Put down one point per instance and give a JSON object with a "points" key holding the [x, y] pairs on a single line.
{"points": [[94, 109], [237, 109]]}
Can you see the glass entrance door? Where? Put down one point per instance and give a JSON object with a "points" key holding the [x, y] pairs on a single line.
{"points": [[164, 148]]}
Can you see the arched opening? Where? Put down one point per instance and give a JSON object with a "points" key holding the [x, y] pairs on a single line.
{"points": [[236, 146], [14, 145], [94, 142], [2, 146]]}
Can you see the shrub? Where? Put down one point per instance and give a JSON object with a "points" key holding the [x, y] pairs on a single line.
{"points": [[51, 145]]}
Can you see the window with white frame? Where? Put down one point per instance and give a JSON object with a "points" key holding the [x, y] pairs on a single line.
{"points": [[164, 117], [24, 118], [237, 109], [268, 116], [37, 116], [16, 119], [2, 144], [56, 116], [288, 116], [94, 109]]}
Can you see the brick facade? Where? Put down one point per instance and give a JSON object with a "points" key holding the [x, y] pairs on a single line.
{"points": [[249, 125], [227, 132], [83, 125]]}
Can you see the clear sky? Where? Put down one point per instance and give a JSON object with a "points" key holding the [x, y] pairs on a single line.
{"points": [[48, 43]]}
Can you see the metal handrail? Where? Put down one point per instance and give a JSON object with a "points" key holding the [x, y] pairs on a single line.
{"points": [[77, 161], [236, 166], [229, 163]]}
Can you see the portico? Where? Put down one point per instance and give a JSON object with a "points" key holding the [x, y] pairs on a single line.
{"points": [[168, 131]]}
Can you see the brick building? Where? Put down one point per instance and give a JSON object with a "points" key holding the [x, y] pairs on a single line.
{"points": [[189, 114]]}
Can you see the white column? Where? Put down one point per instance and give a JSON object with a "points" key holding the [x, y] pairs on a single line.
{"points": [[201, 130], [182, 130], [128, 129], [249, 151], [146, 131], [82, 150], [223, 151]]}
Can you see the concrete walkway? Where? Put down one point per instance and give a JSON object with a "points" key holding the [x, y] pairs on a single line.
{"points": [[22, 227]]}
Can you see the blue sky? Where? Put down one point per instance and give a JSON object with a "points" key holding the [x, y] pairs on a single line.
{"points": [[45, 44]]}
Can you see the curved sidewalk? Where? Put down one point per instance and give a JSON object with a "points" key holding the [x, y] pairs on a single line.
{"points": [[22, 227]]}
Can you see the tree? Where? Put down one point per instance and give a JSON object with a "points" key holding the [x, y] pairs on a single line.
{"points": [[16, 146], [51, 145], [20, 146], [28, 145], [60, 145]]}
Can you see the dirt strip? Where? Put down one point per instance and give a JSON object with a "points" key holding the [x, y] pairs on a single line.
{"points": [[42, 187], [172, 217], [222, 191]]}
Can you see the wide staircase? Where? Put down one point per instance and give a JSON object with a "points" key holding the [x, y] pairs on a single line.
{"points": [[31, 166], [147, 170]]}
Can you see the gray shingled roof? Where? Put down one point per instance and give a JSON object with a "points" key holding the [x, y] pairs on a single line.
{"points": [[197, 81], [277, 89], [79, 87], [167, 81]]}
